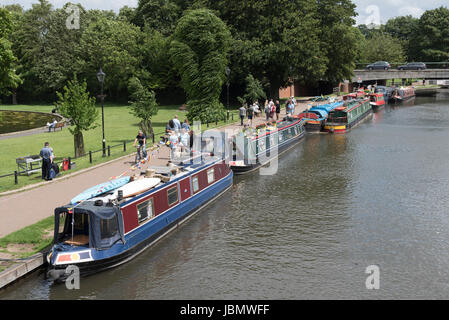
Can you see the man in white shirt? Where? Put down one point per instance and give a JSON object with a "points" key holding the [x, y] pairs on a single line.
{"points": [[177, 123]]}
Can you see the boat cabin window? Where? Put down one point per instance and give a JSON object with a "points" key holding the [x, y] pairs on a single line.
{"points": [[210, 175], [79, 234], [172, 194], [109, 228], [195, 184], [145, 210]]}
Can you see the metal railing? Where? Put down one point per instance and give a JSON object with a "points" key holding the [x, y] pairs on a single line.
{"points": [[107, 151], [430, 65]]}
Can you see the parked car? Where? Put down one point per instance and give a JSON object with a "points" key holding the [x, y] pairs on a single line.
{"points": [[379, 65], [413, 66]]}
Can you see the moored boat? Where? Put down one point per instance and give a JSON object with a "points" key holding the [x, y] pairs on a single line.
{"points": [[343, 118], [316, 116], [377, 101], [386, 91], [359, 94], [112, 228], [403, 94], [257, 147]]}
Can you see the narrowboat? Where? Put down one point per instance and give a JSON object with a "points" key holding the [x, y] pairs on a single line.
{"points": [[386, 91], [377, 101], [403, 94], [110, 229], [313, 119], [343, 118], [255, 148], [359, 94], [316, 116]]}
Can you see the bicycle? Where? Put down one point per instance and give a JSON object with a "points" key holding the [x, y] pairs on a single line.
{"points": [[139, 154]]}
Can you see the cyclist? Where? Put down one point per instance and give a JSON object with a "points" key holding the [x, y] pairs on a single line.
{"points": [[142, 141]]}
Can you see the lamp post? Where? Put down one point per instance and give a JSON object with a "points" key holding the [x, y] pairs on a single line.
{"points": [[100, 76], [228, 72]]}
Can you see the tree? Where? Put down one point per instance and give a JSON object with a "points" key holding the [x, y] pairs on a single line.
{"points": [[254, 90], [402, 28], [383, 47], [113, 45], [339, 40], [273, 40], [143, 105], [430, 42], [198, 51], [156, 68], [76, 104], [8, 77], [161, 15], [30, 43]]}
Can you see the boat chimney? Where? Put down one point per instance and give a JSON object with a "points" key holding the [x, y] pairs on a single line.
{"points": [[120, 195]]}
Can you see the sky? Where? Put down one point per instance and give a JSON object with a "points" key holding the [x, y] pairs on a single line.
{"points": [[369, 11]]}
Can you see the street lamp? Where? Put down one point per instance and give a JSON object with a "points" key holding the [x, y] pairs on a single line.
{"points": [[100, 76], [228, 72]]}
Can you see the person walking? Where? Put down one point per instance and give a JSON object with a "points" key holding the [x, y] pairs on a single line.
{"points": [[242, 113], [272, 109], [250, 113], [186, 125], [177, 124], [278, 109], [267, 110], [289, 107], [47, 159], [293, 104]]}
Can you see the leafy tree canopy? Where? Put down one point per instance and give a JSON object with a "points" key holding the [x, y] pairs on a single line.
{"points": [[198, 51]]}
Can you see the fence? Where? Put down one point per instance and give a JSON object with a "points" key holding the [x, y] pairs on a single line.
{"points": [[106, 152], [430, 65]]}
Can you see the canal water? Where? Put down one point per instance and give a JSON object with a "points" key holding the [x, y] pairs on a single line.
{"points": [[338, 204]]}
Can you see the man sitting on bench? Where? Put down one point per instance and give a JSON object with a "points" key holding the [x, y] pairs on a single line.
{"points": [[51, 125]]}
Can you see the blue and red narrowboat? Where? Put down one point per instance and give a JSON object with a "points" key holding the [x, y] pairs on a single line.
{"points": [[255, 148], [111, 229]]}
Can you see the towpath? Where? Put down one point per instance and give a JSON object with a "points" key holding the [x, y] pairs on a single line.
{"points": [[33, 203]]}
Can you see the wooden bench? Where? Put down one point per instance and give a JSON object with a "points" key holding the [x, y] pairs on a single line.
{"points": [[58, 125]]}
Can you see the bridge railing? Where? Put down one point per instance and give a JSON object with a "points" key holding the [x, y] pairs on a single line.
{"points": [[394, 65]]}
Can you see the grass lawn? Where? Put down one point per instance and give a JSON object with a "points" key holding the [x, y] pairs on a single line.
{"points": [[36, 237], [120, 125]]}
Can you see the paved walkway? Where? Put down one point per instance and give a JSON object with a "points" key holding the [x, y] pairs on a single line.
{"points": [[27, 207]]}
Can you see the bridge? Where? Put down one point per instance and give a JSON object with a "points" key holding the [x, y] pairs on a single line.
{"points": [[375, 75]]}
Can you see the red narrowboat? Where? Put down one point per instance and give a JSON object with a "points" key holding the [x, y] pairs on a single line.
{"points": [[377, 101]]}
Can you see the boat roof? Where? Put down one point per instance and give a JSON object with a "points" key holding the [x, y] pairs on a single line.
{"points": [[319, 112], [328, 107]]}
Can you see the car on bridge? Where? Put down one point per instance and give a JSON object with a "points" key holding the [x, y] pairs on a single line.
{"points": [[413, 66], [379, 65]]}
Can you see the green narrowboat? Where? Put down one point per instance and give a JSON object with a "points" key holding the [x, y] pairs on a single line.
{"points": [[343, 118]]}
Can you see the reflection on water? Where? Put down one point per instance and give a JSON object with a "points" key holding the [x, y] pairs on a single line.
{"points": [[338, 204]]}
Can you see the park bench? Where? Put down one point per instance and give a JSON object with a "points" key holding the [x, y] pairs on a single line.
{"points": [[58, 125]]}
